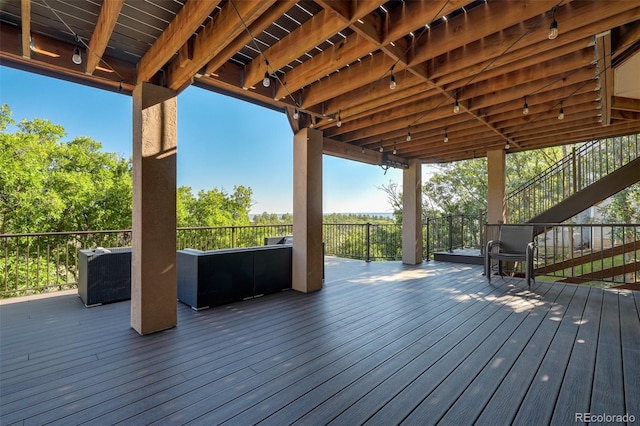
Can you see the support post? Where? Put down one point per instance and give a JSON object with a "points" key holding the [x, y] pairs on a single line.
{"points": [[496, 186], [308, 259], [412, 213], [153, 266]]}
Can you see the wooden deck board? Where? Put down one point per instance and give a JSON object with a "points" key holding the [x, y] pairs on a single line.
{"points": [[382, 342]]}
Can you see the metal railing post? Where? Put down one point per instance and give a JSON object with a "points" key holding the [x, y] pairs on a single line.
{"points": [[450, 219], [368, 242], [427, 242]]}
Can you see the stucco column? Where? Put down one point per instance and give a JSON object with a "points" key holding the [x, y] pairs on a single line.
{"points": [[153, 271], [308, 258], [496, 183], [412, 213]]}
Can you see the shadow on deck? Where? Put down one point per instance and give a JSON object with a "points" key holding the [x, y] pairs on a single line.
{"points": [[382, 343]]}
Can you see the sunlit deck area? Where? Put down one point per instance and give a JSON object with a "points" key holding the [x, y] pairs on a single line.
{"points": [[382, 343]]}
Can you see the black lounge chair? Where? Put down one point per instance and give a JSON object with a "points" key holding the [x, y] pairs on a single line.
{"points": [[514, 244]]}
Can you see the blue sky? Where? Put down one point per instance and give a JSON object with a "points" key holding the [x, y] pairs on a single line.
{"points": [[222, 142]]}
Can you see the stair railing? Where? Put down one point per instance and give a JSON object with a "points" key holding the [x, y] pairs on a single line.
{"points": [[584, 166]]}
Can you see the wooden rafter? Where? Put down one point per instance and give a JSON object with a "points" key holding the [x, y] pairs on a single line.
{"points": [[605, 75], [25, 17], [102, 33], [180, 29], [220, 31]]}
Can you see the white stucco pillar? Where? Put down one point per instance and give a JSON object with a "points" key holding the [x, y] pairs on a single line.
{"points": [[308, 259], [412, 213], [153, 271]]}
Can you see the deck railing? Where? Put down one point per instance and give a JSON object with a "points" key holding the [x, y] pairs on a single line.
{"points": [[40, 262], [586, 253], [582, 167]]}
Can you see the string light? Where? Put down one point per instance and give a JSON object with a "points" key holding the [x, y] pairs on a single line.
{"points": [[381, 148], [392, 82], [339, 123], [395, 151], [296, 114], [77, 56], [525, 109], [507, 146], [561, 112], [456, 105], [446, 136], [408, 135], [553, 28]]}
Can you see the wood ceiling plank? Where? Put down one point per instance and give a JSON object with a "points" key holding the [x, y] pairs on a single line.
{"points": [[25, 18], [105, 25], [179, 30]]}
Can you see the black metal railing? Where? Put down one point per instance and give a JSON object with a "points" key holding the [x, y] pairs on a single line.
{"points": [[585, 253], [41, 262], [584, 166]]}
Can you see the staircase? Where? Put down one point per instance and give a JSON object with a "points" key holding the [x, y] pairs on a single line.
{"points": [[590, 174]]}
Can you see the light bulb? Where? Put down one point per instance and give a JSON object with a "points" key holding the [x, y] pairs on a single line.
{"points": [[395, 151], [32, 45], [392, 82], [525, 110], [77, 57], [296, 114], [339, 122], [381, 148], [408, 136], [446, 138], [561, 114], [553, 29], [456, 107], [507, 146], [266, 81]]}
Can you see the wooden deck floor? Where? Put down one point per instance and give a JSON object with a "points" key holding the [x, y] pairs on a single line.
{"points": [[382, 344]]}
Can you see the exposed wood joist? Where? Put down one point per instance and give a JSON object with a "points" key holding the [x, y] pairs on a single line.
{"points": [[228, 24], [102, 33], [25, 17], [605, 75], [625, 104], [179, 30]]}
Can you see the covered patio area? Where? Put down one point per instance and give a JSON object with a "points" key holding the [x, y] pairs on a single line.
{"points": [[383, 343]]}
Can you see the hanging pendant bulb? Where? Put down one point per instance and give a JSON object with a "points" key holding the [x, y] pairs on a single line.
{"points": [[77, 56], [339, 123], [561, 113], [381, 148], [446, 137], [408, 136], [392, 82], [395, 151], [507, 146], [525, 108], [456, 105], [296, 114], [266, 81], [553, 28]]}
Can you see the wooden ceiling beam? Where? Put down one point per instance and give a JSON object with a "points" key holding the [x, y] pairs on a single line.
{"points": [[179, 30], [583, 134], [625, 104], [321, 26], [337, 57], [355, 153], [482, 21], [217, 33], [278, 9], [605, 75], [107, 19], [627, 36], [579, 20], [25, 20]]}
